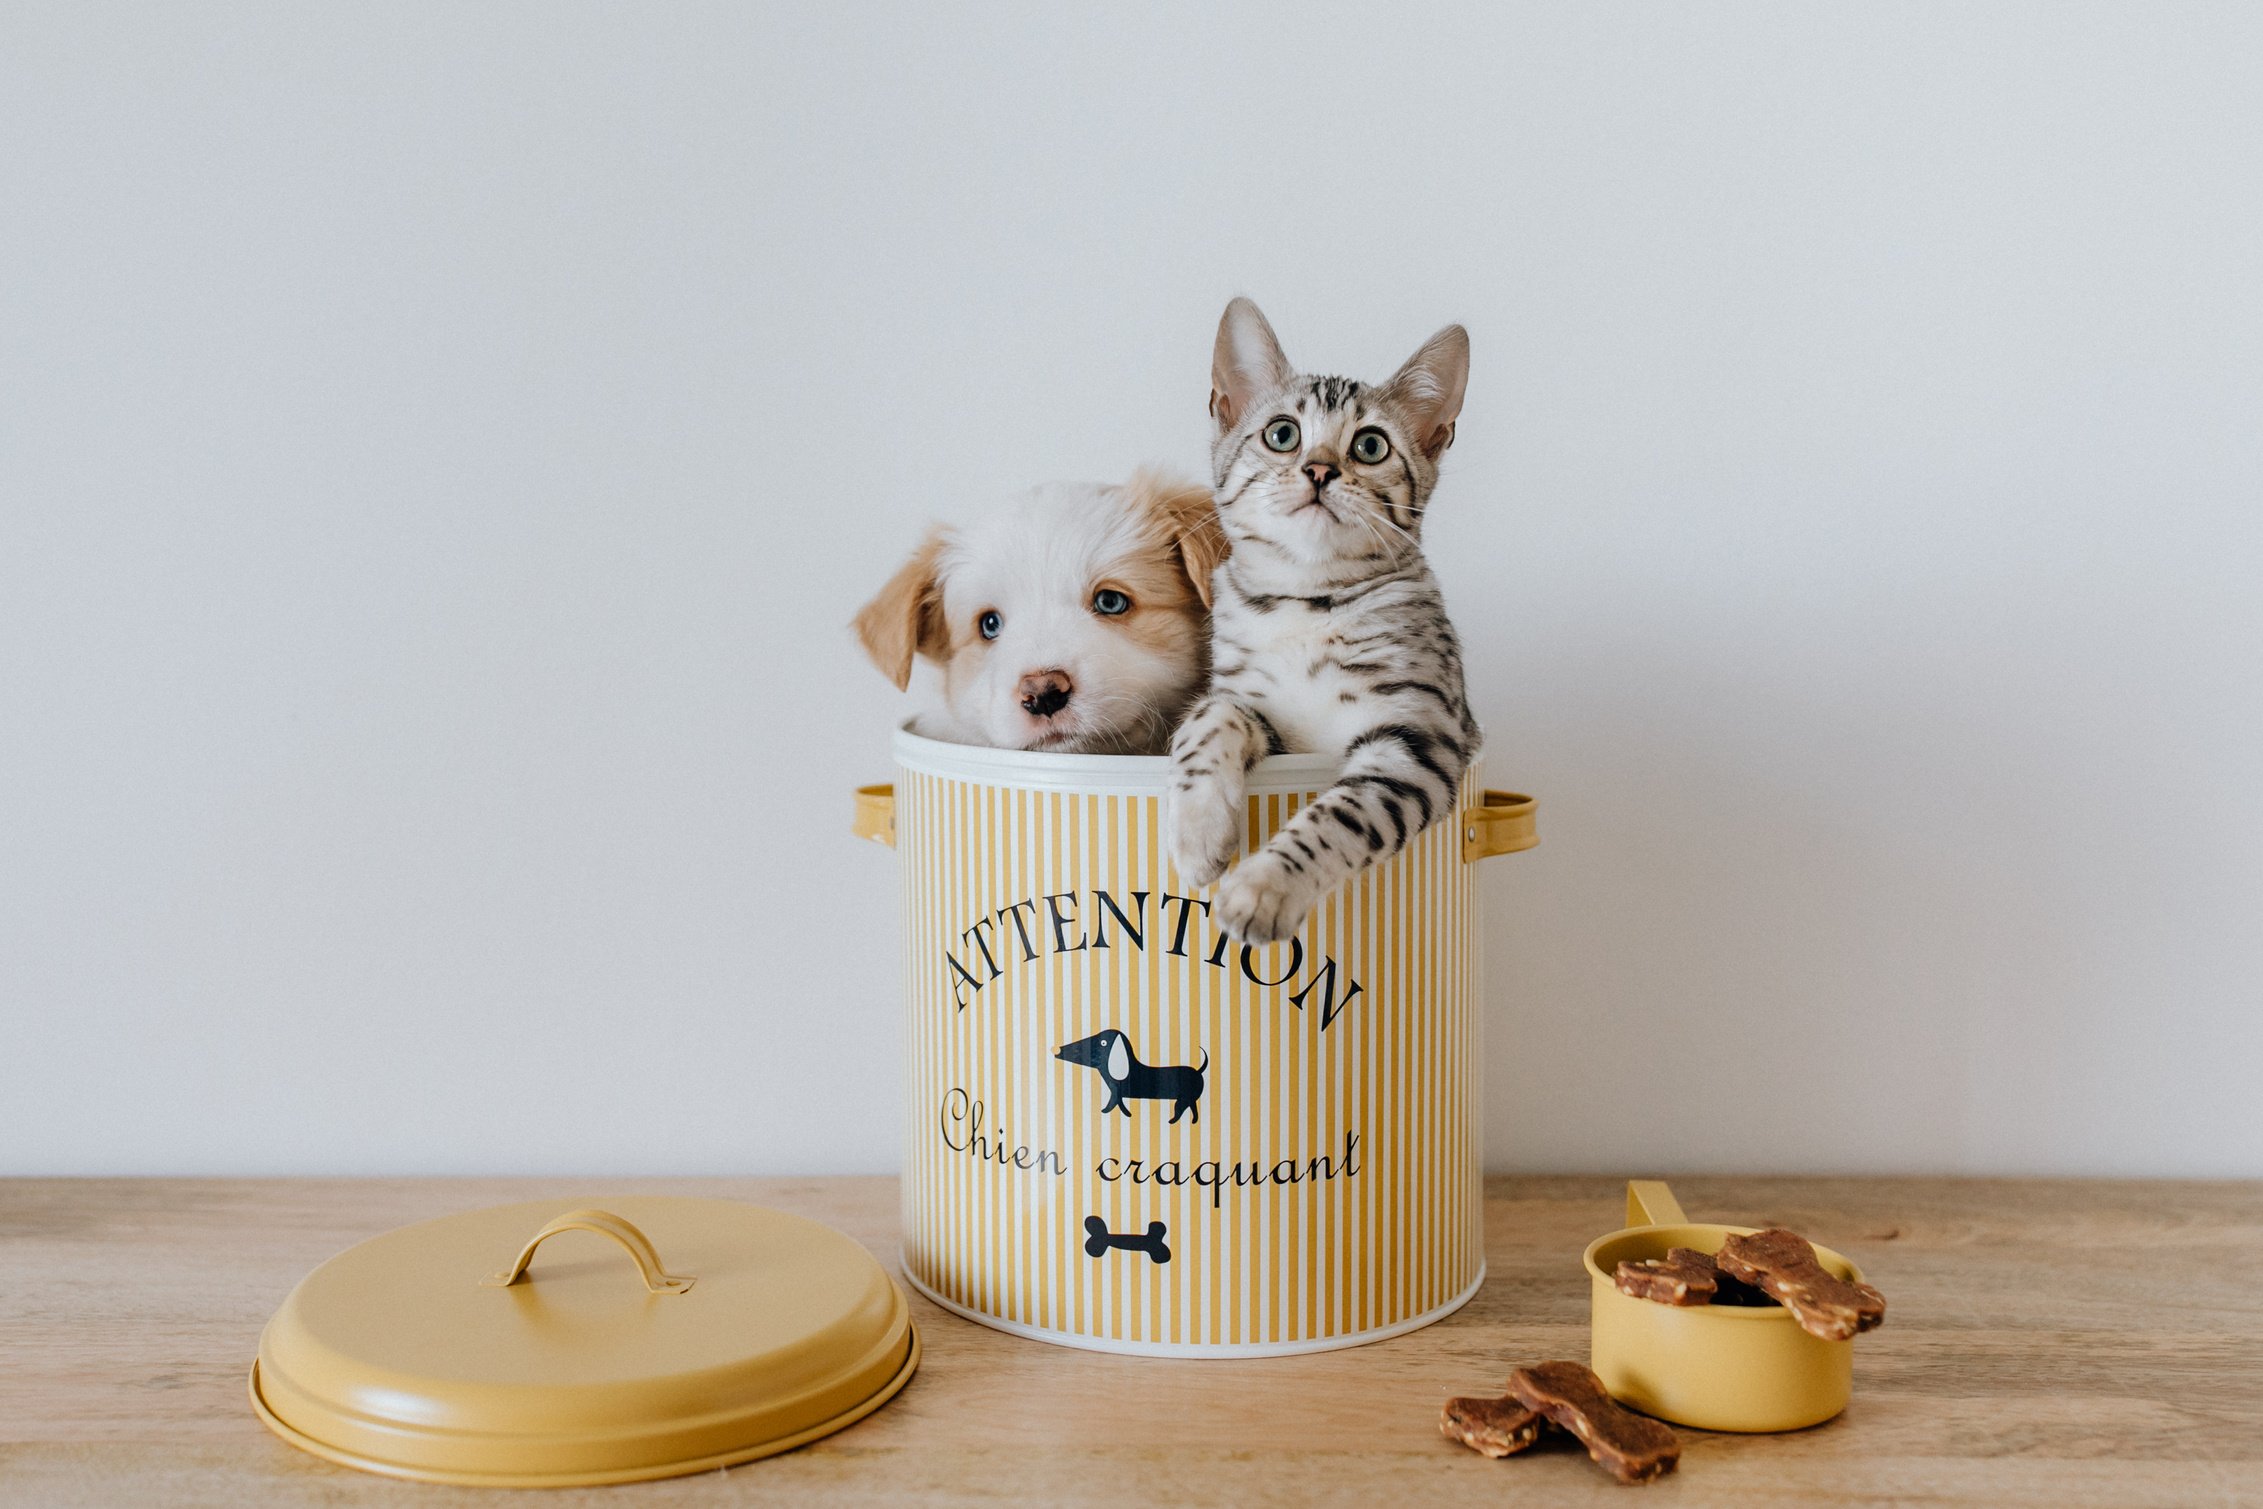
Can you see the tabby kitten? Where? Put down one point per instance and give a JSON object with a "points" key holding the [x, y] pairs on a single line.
{"points": [[1329, 633]]}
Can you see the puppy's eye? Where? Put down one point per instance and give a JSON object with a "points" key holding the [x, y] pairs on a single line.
{"points": [[1370, 446], [989, 624], [1283, 435], [1111, 602]]}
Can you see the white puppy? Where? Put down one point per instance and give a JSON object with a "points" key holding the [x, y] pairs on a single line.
{"points": [[1074, 619]]}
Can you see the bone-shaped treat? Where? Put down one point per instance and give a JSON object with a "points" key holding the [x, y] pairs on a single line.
{"points": [[1684, 1276], [1098, 1239], [1496, 1427], [1782, 1265], [1630, 1447]]}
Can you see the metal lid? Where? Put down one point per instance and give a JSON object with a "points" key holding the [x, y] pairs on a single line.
{"points": [[655, 1337]]}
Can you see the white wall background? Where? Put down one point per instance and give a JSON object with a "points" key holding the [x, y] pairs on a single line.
{"points": [[440, 448]]}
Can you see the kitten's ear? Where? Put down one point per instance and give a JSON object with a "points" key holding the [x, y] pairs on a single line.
{"points": [[1429, 387], [906, 619], [1245, 365], [1183, 517]]}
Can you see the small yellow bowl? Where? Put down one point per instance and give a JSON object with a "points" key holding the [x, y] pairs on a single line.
{"points": [[1715, 1367]]}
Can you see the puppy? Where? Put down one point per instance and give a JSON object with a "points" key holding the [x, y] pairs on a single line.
{"points": [[1076, 619]]}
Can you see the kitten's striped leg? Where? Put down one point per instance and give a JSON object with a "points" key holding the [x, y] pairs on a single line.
{"points": [[1202, 810], [1397, 780]]}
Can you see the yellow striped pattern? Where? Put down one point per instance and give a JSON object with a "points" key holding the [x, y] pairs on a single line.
{"points": [[1275, 1267]]}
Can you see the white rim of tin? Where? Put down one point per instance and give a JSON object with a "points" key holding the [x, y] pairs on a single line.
{"points": [[1104, 775], [1223, 1352]]}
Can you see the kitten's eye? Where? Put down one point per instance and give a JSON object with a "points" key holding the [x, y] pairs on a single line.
{"points": [[1283, 435], [1370, 446], [1111, 602], [989, 624]]}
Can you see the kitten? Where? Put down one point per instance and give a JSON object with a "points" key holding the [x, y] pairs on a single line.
{"points": [[1329, 633]]}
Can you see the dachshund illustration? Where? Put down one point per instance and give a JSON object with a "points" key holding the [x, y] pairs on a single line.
{"points": [[1127, 1078]]}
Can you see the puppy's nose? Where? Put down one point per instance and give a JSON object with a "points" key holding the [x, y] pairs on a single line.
{"points": [[1044, 693], [1321, 474]]}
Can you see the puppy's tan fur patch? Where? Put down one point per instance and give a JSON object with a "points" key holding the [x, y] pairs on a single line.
{"points": [[1185, 524], [1169, 584]]}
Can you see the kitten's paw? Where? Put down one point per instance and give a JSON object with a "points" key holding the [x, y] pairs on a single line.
{"points": [[1202, 830], [1264, 900]]}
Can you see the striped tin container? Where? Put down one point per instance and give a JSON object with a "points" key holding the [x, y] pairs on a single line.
{"points": [[1128, 1132]]}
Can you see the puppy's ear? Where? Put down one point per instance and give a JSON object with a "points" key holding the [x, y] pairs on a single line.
{"points": [[1429, 387], [1203, 546], [1246, 363], [906, 619], [1181, 516]]}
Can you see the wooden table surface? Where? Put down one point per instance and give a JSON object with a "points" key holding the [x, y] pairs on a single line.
{"points": [[2051, 1343]]}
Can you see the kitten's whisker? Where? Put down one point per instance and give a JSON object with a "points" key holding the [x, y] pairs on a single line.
{"points": [[1395, 528], [1370, 521]]}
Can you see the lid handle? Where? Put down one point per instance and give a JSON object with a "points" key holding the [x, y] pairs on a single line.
{"points": [[657, 1279]]}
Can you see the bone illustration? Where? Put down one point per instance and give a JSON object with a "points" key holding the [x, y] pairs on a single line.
{"points": [[1098, 1239], [1109, 1053]]}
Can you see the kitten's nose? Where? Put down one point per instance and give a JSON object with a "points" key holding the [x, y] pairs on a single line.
{"points": [[1321, 474], [1044, 693]]}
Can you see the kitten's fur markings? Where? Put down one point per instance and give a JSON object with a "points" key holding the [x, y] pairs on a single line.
{"points": [[1329, 630]]}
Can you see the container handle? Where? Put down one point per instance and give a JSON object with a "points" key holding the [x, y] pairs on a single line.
{"points": [[1500, 823], [875, 814], [1650, 1203], [657, 1279]]}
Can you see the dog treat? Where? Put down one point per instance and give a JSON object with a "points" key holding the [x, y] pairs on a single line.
{"points": [[1496, 1427], [1630, 1447], [1684, 1276], [1735, 1292], [1783, 1266]]}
